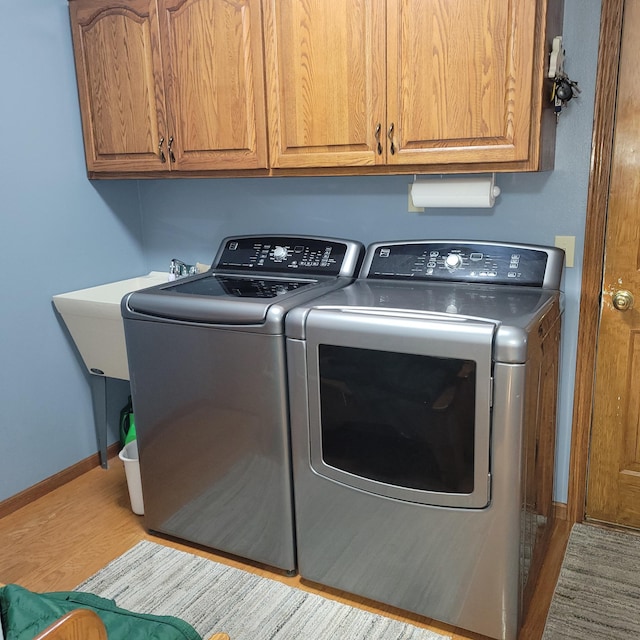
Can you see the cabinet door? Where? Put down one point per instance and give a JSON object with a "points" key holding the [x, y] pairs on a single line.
{"points": [[212, 52], [325, 78], [120, 84], [459, 79]]}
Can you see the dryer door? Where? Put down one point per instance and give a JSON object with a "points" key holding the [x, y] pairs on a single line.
{"points": [[400, 403]]}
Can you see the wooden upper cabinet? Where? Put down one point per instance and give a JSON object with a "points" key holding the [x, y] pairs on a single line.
{"points": [[120, 83], [170, 85], [341, 86], [213, 68], [326, 82], [459, 80], [406, 83]]}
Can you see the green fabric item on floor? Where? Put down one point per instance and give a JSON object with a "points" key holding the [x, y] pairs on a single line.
{"points": [[24, 614]]}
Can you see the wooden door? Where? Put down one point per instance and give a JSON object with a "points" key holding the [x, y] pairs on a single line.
{"points": [[326, 86], [459, 80], [613, 487], [212, 52], [120, 84]]}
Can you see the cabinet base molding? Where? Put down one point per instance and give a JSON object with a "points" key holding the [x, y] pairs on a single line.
{"points": [[373, 170]]}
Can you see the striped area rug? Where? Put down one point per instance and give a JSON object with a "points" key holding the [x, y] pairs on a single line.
{"points": [[213, 597], [598, 591]]}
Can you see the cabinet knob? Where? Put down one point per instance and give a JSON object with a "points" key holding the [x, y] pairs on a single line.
{"points": [[390, 136], [623, 300], [160, 151], [170, 150]]}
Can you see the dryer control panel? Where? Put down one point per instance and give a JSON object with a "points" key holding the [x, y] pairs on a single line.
{"points": [[489, 263]]}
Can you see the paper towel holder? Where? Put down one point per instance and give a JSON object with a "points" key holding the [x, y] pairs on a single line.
{"points": [[470, 191]]}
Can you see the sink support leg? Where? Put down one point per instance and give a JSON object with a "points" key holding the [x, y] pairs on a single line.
{"points": [[99, 398]]}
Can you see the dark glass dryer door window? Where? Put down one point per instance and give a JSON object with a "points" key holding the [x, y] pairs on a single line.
{"points": [[398, 418], [400, 403]]}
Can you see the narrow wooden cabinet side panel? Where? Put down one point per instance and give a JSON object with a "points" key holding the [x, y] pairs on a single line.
{"points": [[459, 80], [538, 454], [325, 78], [212, 51], [119, 84]]}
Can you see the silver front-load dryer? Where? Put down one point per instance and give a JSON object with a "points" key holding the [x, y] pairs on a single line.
{"points": [[423, 419], [208, 379]]}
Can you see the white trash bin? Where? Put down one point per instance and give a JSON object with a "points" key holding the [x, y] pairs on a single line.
{"points": [[129, 455]]}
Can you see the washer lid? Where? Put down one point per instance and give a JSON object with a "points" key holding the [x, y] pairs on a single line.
{"points": [[221, 285], [217, 298], [254, 280]]}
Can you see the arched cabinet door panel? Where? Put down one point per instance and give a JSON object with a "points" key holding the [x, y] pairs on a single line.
{"points": [[120, 84], [170, 85]]}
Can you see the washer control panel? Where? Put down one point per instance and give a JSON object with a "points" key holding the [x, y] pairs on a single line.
{"points": [[491, 263], [288, 254]]}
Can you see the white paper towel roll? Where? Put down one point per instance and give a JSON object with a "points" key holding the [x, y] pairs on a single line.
{"points": [[471, 192]]}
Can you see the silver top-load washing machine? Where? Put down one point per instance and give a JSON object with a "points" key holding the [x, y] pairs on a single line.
{"points": [[208, 378], [423, 400]]}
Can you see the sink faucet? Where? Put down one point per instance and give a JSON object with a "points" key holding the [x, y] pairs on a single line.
{"points": [[179, 269]]}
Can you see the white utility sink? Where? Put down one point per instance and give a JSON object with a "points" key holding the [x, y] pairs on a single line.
{"points": [[95, 323]]}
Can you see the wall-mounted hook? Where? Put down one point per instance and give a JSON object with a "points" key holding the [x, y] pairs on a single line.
{"points": [[563, 87], [556, 58]]}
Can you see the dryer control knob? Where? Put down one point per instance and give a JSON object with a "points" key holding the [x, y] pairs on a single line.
{"points": [[279, 253], [453, 261]]}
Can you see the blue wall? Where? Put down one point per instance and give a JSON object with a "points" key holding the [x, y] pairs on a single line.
{"points": [[58, 233], [74, 233]]}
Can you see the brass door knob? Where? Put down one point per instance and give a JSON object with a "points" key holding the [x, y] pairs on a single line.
{"points": [[623, 300]]}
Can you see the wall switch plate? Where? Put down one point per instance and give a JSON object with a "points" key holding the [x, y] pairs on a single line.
{"points": [[411, 208], [568, 243]]}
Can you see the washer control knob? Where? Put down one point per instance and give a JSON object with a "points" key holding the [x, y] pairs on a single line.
{"points": [[279, 253], [453, 261]]}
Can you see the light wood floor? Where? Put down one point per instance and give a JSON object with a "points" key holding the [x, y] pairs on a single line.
{"points": [[62, 538]]}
